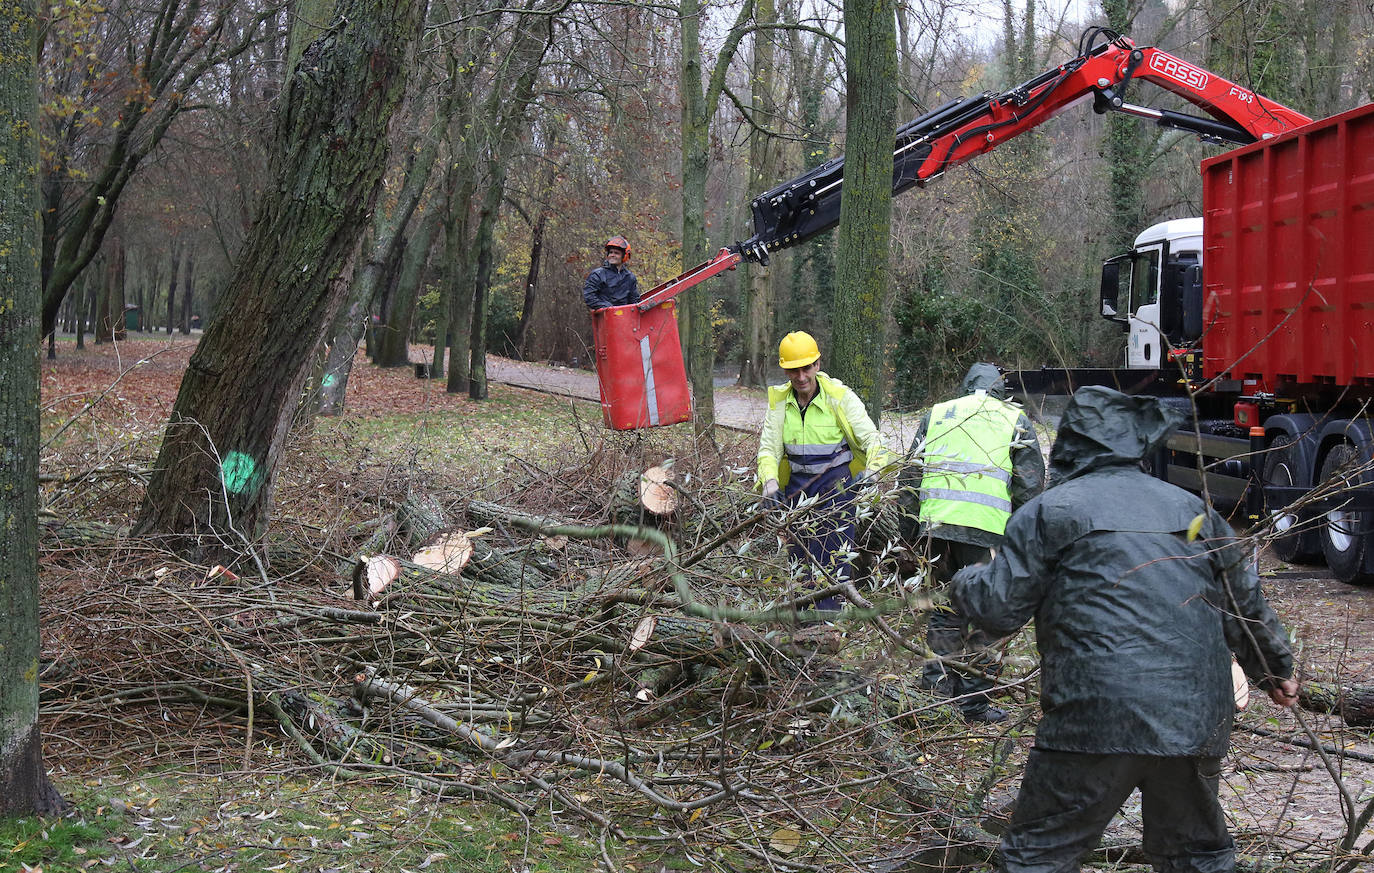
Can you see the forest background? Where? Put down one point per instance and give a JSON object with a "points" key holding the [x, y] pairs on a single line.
{"points": [[528, 135]]}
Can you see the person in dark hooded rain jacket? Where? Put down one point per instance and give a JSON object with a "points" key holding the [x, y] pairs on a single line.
{"points": [[979, 459], [612, 283], [1139, 592]]}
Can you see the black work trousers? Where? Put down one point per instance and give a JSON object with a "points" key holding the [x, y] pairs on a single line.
{"points": [[1068, 798], [948, 633]]}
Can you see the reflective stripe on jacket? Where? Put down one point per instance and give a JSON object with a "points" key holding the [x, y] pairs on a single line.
{"points": [[967, 475], [840, 436]]}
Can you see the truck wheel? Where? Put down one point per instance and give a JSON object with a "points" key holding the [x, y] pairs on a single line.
{"points": [[1281, 468], [1346, 533]]}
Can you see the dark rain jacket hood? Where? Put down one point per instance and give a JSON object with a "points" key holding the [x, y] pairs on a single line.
{"points": [[1104, 428], [1137, 588], [985, 377]]}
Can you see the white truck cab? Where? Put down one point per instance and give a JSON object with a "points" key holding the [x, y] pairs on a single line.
{"points": [[1141, 289]]}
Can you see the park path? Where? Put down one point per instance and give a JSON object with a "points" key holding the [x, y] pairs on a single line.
{"points": [[737, 407]]}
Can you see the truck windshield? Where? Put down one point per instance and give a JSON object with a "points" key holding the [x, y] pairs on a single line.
{"points": [[1144, 279]]}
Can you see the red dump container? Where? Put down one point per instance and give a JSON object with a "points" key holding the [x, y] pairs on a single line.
{"points": [[1289, 260], [639, 367]]}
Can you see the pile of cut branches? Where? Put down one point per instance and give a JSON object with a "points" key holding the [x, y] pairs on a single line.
{"points": [[623, 641]]}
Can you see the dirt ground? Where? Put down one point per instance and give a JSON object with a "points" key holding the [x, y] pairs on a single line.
{"points": [[1333, 625]]}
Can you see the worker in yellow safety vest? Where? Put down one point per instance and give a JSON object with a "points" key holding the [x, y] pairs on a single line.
{"points": [[976, 459], [817, 441]]}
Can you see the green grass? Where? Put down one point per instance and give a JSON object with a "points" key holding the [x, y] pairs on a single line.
{"points": [[58, 844], [165, 823]]}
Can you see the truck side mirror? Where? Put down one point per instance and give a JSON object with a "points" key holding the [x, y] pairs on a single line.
{"points": [[1110, 289], [1192, 303]]}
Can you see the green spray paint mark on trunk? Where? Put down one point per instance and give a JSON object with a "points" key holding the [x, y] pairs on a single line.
{"points": [[239, 472], [329, 380]]}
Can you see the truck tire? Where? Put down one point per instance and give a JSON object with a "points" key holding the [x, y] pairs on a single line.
{"points": [[1346, 534], [1282, 468]]}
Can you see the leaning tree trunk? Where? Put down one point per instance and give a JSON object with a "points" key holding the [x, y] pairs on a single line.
{"points": [[218, 461], [518, 342], [24, 785], [394, 335]]}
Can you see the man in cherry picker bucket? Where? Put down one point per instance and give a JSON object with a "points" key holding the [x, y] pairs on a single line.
{"points": [[612, 283], [817, 441]]}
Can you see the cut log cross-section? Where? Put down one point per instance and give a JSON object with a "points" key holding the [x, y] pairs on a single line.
{"points": [[657, 491]]}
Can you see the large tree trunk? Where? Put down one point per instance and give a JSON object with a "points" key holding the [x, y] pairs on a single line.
{"points": [[765, 166], [698, 344], [217, 466], [24, 785], [857, 352]]}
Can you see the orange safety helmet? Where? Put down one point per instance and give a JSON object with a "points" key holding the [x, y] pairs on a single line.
{"points": [[619, 242]]}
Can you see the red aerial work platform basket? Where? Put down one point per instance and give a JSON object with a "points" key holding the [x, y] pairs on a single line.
{"points": [[639, 366]]}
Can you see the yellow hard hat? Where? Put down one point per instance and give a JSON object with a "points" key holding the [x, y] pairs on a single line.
{"points": [[797, 349]]}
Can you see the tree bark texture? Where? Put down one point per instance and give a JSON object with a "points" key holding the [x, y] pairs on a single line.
{"points": [[699, 98], [531, 285], [24, 785], [858, 354], [765, 167], [395, 333], [218, 461]]}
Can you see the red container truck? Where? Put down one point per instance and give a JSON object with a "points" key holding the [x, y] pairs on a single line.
{"points": [[1260, 317]]}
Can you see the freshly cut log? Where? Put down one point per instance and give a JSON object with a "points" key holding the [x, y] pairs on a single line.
{"points": [[372, 574], [657, 493], [449, 553], [1353, 703]]}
